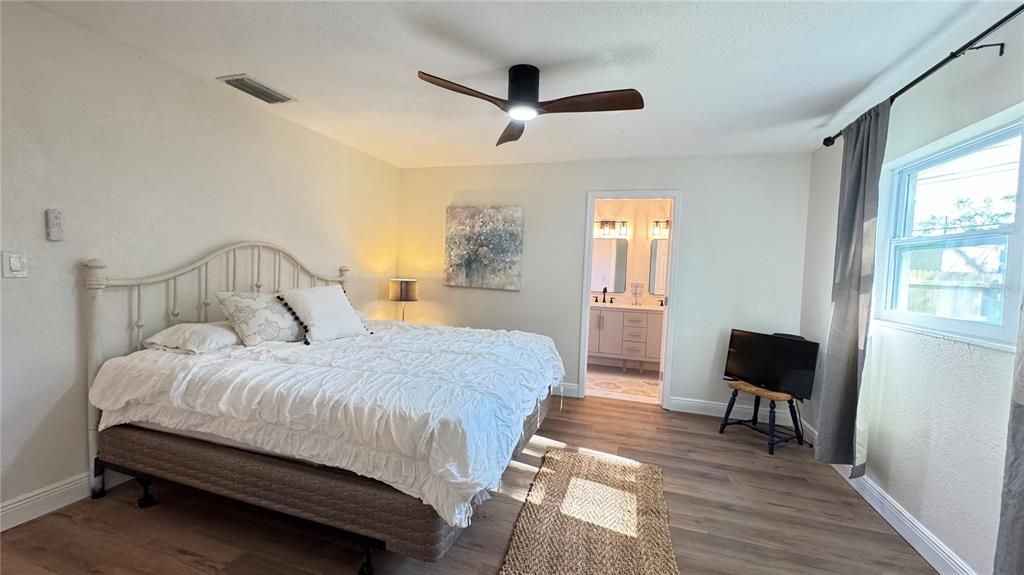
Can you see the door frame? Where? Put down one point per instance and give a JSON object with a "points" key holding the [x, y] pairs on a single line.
{"points": [[675, 248]]}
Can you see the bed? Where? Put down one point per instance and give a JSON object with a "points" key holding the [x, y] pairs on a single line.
{"points": [[394, 436]]}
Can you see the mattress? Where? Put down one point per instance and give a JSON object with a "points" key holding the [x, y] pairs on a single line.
{"points": [[434, 412], [530, 426]]}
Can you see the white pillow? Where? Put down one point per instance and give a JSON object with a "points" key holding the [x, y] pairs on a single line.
{"points": [[258, 317], [325, 312], [194, 337]]}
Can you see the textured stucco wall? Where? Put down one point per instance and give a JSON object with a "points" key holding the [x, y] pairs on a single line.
{"points": [[938, 408], [938, 412], [152, 168]]}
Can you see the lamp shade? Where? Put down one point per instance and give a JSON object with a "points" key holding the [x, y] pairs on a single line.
{"points": [[400, 289]]}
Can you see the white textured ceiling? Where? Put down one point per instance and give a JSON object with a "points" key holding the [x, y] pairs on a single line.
{"points": [[717, 77]]}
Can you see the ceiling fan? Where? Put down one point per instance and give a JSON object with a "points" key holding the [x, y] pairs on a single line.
{"points": [[523, 102]]}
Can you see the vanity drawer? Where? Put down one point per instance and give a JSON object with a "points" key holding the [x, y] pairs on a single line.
{"points": [[634, 334], [634, 319], [634, 349]]}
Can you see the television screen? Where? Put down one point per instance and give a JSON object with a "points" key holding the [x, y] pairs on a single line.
{"points": [[776, 362]]}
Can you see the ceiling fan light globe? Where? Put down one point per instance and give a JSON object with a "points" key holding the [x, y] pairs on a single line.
{"points": [[522, 113]]}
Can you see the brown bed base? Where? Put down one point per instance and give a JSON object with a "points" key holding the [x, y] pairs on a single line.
{"points": [[382, 515]]}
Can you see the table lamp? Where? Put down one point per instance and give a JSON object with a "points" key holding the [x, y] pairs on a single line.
{"points": [[403, 290]]}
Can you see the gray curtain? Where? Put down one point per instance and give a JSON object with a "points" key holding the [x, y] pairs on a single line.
{"points": [[1010, 542], [853, 276]]}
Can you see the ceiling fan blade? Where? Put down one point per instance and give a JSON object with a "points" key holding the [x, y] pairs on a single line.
{"points": [[513, 131], [594, 102], [459, 88]]}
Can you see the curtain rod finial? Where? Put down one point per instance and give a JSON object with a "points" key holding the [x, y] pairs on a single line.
{"points": [[828, 141]]}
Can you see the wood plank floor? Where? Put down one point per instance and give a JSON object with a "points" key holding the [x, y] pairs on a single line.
{"points": [[733, 509]]}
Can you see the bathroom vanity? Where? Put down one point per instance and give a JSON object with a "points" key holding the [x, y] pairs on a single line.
{"points": [[627, 333]]}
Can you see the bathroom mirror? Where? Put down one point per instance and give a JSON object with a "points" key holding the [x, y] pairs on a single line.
{"points": [[659, 267], [608, 264]]}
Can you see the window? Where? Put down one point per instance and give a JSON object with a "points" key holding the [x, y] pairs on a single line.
{"points": [[954, 253]]}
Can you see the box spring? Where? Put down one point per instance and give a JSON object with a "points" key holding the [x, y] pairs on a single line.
{"points": [[318, 493]]}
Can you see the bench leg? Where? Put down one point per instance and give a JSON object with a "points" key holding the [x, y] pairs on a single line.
{"points": [[728, 411], [797, 426], [771, 427], [757, 407]]}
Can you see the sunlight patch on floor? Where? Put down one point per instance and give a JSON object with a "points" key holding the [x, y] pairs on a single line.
{"points": [[541, 444], [624, 461], [523, 467], [601, 505], [512, 489]]}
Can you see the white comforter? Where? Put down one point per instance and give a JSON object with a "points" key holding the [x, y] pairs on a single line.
{"points": [[435, 412]]}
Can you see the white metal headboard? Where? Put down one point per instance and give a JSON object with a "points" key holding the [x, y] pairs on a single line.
{"points": [[284, 271]]}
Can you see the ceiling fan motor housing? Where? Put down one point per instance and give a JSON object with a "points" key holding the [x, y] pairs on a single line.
{"points": [[523, 84]]}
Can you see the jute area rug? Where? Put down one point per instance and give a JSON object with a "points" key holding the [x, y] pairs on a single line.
{"points": [[589, 515]]}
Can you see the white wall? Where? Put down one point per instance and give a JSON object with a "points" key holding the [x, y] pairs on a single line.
{"points": [[151, 168], [822, 215], [939, 407], [741, 264]]}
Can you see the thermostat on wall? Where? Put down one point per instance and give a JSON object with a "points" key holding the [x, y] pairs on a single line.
{"points": [[54, 225]]}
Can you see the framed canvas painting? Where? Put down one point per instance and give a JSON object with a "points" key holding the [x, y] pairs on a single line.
{"points": [[484, 247]]}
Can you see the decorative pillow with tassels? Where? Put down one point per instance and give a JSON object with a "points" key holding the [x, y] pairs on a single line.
{"points": [[324, 312]]}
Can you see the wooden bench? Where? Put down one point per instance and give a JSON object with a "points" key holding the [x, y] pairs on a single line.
{"points": [[774, 437]]}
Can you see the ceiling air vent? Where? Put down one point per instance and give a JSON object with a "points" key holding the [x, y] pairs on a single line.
{"points": [[255, 88]]}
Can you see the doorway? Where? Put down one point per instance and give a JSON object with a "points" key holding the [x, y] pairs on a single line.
{"points": [[625, 348]]}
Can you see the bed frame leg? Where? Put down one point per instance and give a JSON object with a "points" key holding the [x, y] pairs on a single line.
{"points": [[366, 568], [98, 486], [147, 499]]}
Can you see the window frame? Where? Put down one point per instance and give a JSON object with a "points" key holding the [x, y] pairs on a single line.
{"points": [[895, 225]]}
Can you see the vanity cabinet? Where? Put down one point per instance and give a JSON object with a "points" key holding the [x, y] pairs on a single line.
{"points": [[594, 339], [654, 334], [625, 333], [610, 333]]}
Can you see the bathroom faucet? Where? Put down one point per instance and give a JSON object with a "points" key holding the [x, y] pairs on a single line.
{"points": [[604, 295]]}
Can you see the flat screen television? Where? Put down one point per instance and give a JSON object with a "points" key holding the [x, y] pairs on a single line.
{"points": [[776, 362]]}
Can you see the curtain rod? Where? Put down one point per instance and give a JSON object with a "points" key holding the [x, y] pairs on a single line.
{"points": [[971, 45]]}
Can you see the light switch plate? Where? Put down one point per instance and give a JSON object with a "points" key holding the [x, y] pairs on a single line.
{"points": [[15, 264]]}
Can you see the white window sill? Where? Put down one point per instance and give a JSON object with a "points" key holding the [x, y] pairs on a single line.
{"points": [[1003, 347]]}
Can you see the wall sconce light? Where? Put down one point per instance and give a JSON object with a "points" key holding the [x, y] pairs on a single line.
{"points": [[659, 229], [611, 229]]}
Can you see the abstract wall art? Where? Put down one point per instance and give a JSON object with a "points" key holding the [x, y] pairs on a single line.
{"points": [[484, 247]]}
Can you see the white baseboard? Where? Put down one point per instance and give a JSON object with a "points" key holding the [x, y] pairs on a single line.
{"points": [[810, 432], [43, 500], [739, 411], [934, 551]]}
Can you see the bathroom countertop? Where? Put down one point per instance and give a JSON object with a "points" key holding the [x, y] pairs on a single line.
{"points": [[627, 306]]}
